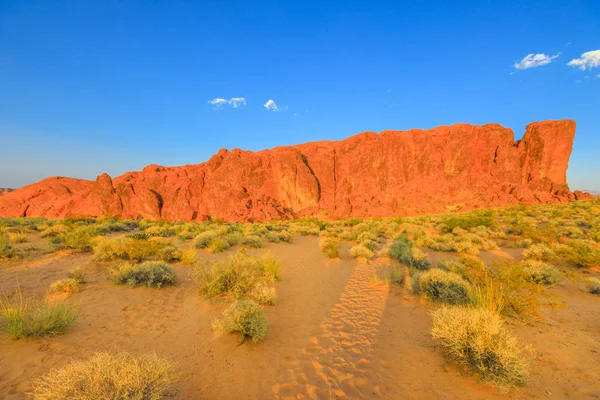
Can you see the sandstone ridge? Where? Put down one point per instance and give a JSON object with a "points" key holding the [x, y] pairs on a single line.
{"points": [[393, 173]]}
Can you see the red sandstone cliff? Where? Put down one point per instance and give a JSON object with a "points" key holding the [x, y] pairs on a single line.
{"points": [[393, 173]]}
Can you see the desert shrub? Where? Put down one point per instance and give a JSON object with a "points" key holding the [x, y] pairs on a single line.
{"points": [[6, 250], [540, 272], [203, 239], [139, 236], [538, 252], [396, 275], [17, 237], [447, 287], [415, 280], [54, 231], [476, 339], [68, 285], [160, 231], [188, 255], [245, 317], [403, 251], [253, 241], [125, 248], [582, 253], [360, 251], [108, 376], [233, 239], [150, 273], [468, 220], [236, 275], [169, 253], [263, 294], [77, 274], [593, 285], [594, 234], [79, 239], [371, 245], [331, 247], [571, 232], [217, 245], [27, 318]]}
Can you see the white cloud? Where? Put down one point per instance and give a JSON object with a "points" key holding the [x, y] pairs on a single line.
{"points": [[589, 59], [235, 102], [534, 60], [271, 106], [598, 76]]}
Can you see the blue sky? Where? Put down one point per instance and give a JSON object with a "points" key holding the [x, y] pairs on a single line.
{"points": [[87, 87]]}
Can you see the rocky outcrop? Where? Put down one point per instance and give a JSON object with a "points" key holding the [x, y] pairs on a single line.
{"points": [[393, 173]]}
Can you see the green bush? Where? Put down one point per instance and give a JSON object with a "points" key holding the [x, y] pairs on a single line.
{"points": [[217, 245], [402, 250], [79, 239], [27, 318], [6, 250], [447, 287], [150, 273], [245, 317], [137, 250], [107, 376], [263, 294], [360, 251], [538, 252], [203, 239], [253, 241], [582, 253], [396, 275], [477, 339], [331, 247], [540, 272]]}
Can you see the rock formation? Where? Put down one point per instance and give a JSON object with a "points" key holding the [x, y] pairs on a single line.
{"points": [[393, 173]]}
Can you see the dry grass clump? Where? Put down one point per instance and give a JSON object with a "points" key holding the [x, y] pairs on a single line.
{"points": [[27, 318], [331, 247], [6, 250], [67, 285], [540, 272], [17, 237], [360, 251], [477, 340], [264, 294], [582, 253], [188, 255], [396, 275], [447, 287], [108, 376], [237, 275], [245, 317], [150, 273], [402, 250], [217, 245], [77, 274], [203, 239], [79, 239], [137, 250], [253, 241], [593, 285], [539, 251], [281, 236]]}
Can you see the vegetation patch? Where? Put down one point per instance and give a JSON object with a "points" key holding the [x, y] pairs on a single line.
{"points": [[331, 247], [109, 376], [476, 339], [25, 317], [443, 286], [67, 285], [150, 273], [244, 317]]}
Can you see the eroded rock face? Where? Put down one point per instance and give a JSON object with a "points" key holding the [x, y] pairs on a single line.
{"points": [[393, 173]]}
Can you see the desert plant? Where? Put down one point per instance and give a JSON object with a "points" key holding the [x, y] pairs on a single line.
{"points": [[540, 272], [217, 245], [203, 239], [68, 285], [360, 251], [253, 241], [6, 250], [263, 294], [188, 255], [582, 253], [126, 248], [396, 275], [28, 318], [150, 273], [477, 340], [79, 239], [108, 376], [538, 252], [245, 317], [17, 237], [444, 286], [331, 247], [593, 285], [77, 274]]}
